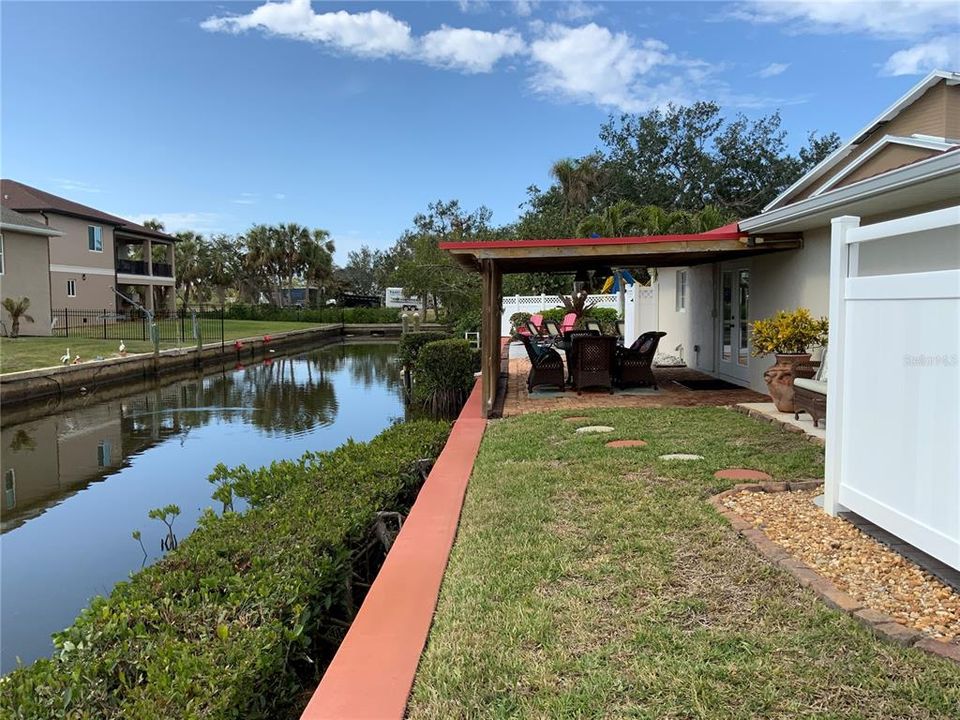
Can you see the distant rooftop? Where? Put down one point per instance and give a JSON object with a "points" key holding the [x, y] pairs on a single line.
{"points": [[22, 198], [12, 219]]}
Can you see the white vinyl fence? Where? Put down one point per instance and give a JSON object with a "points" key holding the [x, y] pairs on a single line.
{"points": [[893, 424], [640, 308]]}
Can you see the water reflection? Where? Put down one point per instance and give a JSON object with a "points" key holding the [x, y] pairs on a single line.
{"points": [[77, 484]]}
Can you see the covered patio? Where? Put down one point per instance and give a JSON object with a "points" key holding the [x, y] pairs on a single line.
{"points": [[494, 259]]}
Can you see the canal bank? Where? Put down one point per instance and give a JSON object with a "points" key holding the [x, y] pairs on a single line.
{"points": [[75, 380]]}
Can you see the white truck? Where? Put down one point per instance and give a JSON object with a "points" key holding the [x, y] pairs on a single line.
{"points": [[395, 298]]}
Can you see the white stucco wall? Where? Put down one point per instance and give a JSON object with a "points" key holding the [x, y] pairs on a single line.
{"points": [[694, 326]]}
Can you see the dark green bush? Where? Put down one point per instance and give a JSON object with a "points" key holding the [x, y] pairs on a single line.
{"points": [[519, 319], [412, 342], [607, 317], [443, 375], [242, 617], [355, 315], [467, 321]]}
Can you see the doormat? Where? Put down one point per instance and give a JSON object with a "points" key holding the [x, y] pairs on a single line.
{"points": [[711, 384]]}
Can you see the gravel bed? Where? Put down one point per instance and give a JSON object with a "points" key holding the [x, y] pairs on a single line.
{"points": [[857, 564]]}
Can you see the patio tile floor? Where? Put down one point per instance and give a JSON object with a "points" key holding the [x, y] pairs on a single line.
{"points": [[670, 394]]}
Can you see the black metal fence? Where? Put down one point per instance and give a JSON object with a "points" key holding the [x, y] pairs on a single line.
{"points": [[183, 325]]}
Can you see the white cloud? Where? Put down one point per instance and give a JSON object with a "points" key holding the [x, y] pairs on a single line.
{"points": [[173, 222], [577, 10], [942, 53], [773, 69], [279, 196], [592, 64], [525, 8], [371, 34], [75, 185], [469, 50], [891, 18], [473, 6]]}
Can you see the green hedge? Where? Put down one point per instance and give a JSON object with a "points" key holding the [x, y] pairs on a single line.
{"points": [[412, 342], [239, 620], [354, 315], [443, 375], [607, 317]]}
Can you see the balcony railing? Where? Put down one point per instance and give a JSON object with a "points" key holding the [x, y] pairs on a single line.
{"points": [[139, 267], [132, 267]]}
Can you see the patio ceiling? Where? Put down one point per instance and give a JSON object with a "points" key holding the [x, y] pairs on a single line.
{"points": [[570, 254]]}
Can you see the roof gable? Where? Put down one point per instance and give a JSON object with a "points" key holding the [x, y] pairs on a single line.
{"points": [[875, 132], [23, 198]]}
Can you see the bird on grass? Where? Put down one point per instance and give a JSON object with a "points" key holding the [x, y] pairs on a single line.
{"points": [[76, 360], [123, 349], [65, 358]]}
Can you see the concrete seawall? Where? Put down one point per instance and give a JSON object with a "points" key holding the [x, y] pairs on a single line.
{"points": [[65, 381]]}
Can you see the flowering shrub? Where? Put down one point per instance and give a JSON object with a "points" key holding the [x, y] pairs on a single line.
{"points": [[788, 333]]}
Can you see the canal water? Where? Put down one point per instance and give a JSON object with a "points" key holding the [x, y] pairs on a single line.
{"points": [[76, 484]]}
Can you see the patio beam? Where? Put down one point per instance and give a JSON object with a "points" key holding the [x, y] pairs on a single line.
{"points": [[490, 331]]}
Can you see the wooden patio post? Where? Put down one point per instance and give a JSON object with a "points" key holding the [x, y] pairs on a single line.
{"points": [[490, 332]]}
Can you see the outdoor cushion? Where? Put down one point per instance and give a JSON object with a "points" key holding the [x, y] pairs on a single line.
{"points": [[814, 385], [822, 370]]}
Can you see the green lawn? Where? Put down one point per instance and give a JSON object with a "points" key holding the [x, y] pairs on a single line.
{"points": [[26, 353], [591, 582]]}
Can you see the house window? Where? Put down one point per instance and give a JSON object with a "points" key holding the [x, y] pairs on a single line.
{"points": [[681, 290], [71, 288], [1, 253], [103, 454], [95, 238], [9, 489]]}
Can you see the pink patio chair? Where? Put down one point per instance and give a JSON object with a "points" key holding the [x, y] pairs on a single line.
{"points": [[569, 320]]}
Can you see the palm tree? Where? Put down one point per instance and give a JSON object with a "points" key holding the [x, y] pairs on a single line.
{"points": [[580, 180], [191, 264], [618, 220], [18, 311], [711, 217]]}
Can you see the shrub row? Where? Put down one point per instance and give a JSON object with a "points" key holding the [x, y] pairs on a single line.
{"points": [[412, 342], [239, 619], [607, 317], [443, 375], [353, 315]]}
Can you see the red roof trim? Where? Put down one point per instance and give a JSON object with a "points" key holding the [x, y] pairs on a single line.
{"points": [[727, 232]]}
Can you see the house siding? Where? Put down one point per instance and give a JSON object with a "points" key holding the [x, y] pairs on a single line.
{"points": [[936, 113], [25, 274], [890, 158]]}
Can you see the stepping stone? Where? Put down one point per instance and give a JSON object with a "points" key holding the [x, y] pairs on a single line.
{"points": [[595, 429], [626, 443], [577, 418], [741, 474], [681, 456]]}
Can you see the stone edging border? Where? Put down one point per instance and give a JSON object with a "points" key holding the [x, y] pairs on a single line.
{"points": [[775, 421], [880, 623]]}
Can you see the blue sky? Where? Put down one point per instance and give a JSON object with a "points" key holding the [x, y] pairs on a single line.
{"points": [[353, 116]]}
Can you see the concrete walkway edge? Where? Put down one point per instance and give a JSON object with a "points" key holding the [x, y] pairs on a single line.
{"points": [[373, 671]]}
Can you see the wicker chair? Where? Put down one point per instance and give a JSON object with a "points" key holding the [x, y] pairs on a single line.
{"points": [[593, 362], [634, 364], [546, 366], [565, 343]]}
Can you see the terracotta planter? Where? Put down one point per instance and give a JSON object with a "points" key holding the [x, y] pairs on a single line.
{"points": [[780, 378]]}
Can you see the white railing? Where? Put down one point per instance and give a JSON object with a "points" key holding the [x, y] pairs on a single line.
{"points": [[893, 424]]}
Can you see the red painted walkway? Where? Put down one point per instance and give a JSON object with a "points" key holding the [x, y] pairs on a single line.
{"points": [[372, 673]]}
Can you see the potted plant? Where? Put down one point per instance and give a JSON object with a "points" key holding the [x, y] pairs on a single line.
{"points": [[788, 336]]}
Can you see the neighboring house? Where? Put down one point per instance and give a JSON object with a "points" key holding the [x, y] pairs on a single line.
{"points": [[97, 252], [905, 161], [25, 268]]}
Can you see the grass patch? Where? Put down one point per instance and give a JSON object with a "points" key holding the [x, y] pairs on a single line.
{"points": [[589, 581], [27, 353]]}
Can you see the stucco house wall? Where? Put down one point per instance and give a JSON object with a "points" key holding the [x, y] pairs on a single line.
{"points": [[25, 264]]}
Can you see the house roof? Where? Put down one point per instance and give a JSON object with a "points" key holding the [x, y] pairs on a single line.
{"points": [[838, 155], [569, 254], [14, 221], [24, 198]]}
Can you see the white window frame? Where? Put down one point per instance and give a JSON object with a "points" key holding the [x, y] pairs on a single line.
{"points": [[71, 284], [97, 239], [2, 258], [682, 284]]}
